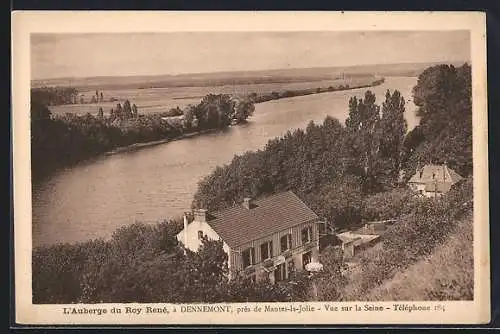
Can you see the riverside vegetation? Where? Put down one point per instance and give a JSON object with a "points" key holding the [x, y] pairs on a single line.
{"points": [[62, 140], [347, 174], [90, 134]]}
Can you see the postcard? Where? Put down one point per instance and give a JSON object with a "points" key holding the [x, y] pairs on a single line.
{"points": [[236, 168]]}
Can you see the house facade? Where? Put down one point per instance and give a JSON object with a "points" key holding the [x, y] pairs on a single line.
{"points": [[433, 180], [269, 237]]}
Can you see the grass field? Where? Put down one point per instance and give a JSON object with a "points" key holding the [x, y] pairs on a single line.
{"points": [[161, 92], [152, 100]]}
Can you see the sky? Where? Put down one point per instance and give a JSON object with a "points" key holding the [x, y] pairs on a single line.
{"points": [[123, 54]]}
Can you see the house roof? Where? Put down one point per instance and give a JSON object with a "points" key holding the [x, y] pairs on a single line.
{"points": [[347, 237], [238, 225], [358, 239], [436, 177]]}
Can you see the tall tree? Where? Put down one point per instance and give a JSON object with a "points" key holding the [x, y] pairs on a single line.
{"points": [[119, 111], [443, 95], [363, 125], [393, 129], [134, 110], [127, 110]]}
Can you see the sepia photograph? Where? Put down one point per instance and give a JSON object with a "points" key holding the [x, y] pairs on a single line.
{"points": [[219, 167]]}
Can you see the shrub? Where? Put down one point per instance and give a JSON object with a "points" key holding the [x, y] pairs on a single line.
{"points": [[388, 205], [447, 274], [413, 238]]}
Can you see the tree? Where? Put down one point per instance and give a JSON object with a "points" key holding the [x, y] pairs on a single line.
{"points": [[443, 95], [215, 111], [119, 111], [39, 111], [341, 202], [208, 274], [189, 117], [330, 280], [134, 110], [127, 110], [363, 124], [393, 129], [244, 109]]}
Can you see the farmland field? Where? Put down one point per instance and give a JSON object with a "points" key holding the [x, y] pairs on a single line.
{"points": [[151, 100]]}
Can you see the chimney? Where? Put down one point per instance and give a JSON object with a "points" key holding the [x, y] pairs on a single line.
{"points": [[185, 230], [200, 215], [185, 221], [247, 203]]}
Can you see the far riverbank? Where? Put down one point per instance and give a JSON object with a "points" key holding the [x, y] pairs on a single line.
{"points": [[256, 100]]}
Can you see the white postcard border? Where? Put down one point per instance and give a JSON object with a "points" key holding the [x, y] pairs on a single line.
{"points": [[26, 22]]}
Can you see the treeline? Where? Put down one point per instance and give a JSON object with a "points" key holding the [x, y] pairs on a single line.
{"points": [[259, 98], [59, 141], [53, 96], [443, 95], [330, 166], [335, 167]]}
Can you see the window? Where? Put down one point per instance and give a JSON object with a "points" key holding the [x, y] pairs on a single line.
{"points": [[291, 267], [306, 258], [200, 235], [266, 250], [286, 242], [306, 235], [248, 256], [280, 273]]}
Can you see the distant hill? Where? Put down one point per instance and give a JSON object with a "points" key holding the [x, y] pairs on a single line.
{"points": [[236, 77]]}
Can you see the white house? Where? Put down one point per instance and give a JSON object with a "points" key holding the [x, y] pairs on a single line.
{"points": [[433, 180], [271, 237]]}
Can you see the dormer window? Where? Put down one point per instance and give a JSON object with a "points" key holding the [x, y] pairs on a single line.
{"points": [[200, 235]]}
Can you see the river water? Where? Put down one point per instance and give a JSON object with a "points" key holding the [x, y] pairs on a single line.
{"points": [[95, 198]]}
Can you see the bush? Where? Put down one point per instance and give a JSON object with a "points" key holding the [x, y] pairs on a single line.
{"points": [[113, 270], [413, 238], [388, 205], [447, 274]]}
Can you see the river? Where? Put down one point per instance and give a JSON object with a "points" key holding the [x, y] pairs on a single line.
{"points": [[96, 197]]}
